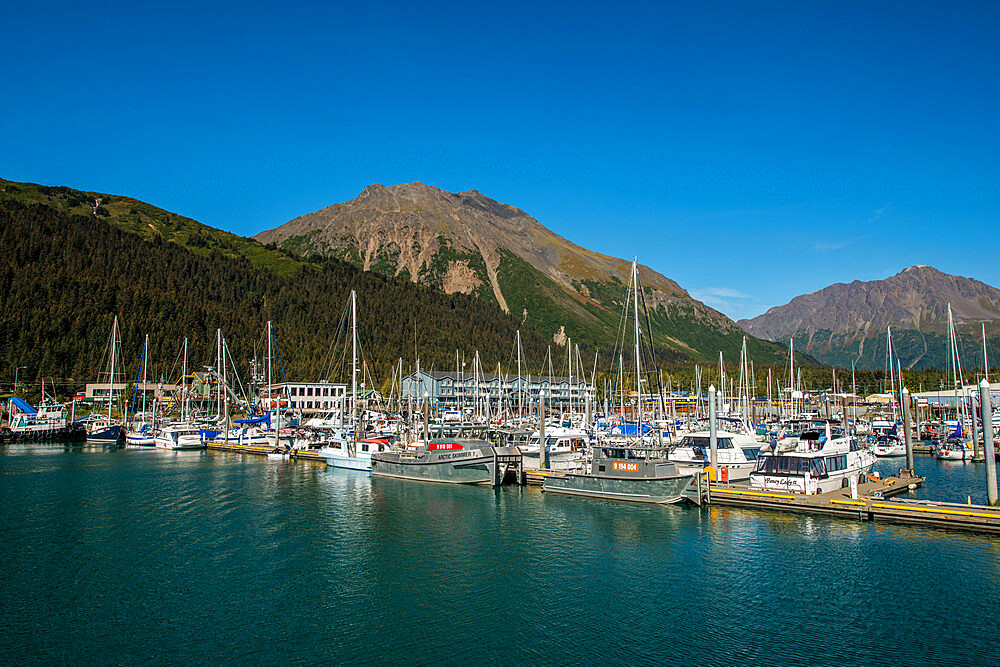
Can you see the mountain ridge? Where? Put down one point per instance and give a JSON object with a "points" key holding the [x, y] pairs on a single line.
{"points": [[846, 322], [467, 242]]}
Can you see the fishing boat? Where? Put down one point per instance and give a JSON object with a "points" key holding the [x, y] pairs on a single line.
{"points": [[623, 467], [454, 461], [811, 462], [353, 454], [626, 472], [46, 422]]}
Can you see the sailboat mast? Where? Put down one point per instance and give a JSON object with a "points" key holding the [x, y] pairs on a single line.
{"points": [[218, 364], [269, 364], [890, 367], [520, 404], [184, 383], [111, 380], [791, 374], [145, 362], [954, 365], [354, 364], [638, 362]]}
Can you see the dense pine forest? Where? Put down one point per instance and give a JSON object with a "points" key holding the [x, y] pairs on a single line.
{"points": [[64, 276]]}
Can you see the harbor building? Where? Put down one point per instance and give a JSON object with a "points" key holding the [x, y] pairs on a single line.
{"points": [[308, 397]]}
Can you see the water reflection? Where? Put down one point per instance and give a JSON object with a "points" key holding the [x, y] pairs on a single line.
{"points": [[335, 565]]}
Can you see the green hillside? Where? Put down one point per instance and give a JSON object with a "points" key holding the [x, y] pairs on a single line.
{"points": [[65, 273]]}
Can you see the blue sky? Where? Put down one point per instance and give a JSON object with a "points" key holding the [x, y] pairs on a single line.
{"points": [[750, 151]]}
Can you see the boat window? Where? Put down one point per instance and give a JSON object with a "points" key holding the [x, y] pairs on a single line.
{"points": [[766, 464], [783, 463], [751, 452], [818, 468], [706, 443], [835, 463], [364, 447]]}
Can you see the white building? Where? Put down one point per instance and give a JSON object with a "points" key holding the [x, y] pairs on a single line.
{"points": [[307, 397]]}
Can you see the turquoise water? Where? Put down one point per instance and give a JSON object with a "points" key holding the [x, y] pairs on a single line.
{"points": [[153, 556]]}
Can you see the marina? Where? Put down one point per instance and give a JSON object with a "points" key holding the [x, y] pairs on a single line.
{"points": [[339, 543]]}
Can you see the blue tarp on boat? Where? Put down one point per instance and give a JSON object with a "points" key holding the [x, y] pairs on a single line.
{"points": [[263, 419], [23, 406], [629, 429]]}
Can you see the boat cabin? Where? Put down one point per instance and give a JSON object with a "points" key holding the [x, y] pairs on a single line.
{"points": [[631, 461]]}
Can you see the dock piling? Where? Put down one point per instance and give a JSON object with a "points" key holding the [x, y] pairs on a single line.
{"points": [[986, 409]]}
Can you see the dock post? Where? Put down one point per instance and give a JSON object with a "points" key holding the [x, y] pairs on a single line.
{"points": [[541, 430], [986, 408], [907, 434], [713, 441]]}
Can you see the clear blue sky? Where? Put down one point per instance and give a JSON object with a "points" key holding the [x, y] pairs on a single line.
{"points": [[750, 151]]}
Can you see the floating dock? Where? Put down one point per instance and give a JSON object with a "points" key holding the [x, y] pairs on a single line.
{"points": [[873, 503], [262, 450]]}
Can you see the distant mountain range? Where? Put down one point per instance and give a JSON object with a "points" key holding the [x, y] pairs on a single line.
{"points": [[468, 243], [847, 322]]}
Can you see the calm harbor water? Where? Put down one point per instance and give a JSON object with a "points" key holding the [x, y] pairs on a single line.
{"points": [[153, 556]]}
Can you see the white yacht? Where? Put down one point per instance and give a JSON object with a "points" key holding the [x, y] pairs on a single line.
{"points": [[179, 436], [565, 448], [953, 450], [889, 445], [344, 452], [736, 454], [811, 462]]}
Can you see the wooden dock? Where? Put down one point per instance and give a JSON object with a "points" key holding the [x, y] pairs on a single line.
{"points": [[262, 450], [874, 503]]}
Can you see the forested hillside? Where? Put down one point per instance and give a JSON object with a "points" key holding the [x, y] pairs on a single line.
{"points": [[65, 275]]}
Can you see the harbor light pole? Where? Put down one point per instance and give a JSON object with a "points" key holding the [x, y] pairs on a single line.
{"points": [[986, 408]]}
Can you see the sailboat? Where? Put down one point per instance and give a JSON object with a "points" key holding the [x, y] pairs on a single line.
{"points": [[956, 447], [351, 450], [140, 433], [181, 434], [628, 468], [108, 430]]}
